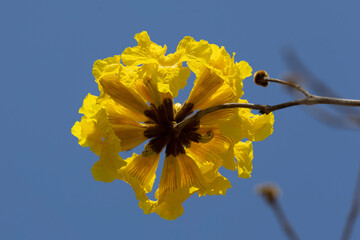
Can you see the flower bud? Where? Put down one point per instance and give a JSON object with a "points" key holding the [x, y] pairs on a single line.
{"points": [[259, 78]]}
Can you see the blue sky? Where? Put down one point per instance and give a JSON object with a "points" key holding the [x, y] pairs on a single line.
{"points": [[47, 52]]}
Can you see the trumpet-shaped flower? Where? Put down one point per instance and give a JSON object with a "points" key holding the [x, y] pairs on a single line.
{"points": [[136, 106]]}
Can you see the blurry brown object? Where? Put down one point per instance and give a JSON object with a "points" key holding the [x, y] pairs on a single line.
{"points": [[270, 192], [354, 211]]}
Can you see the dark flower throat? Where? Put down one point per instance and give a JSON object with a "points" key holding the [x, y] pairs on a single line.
{"points": [[163, 131]]}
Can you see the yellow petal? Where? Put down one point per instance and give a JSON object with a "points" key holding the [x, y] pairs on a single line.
{"points": [[244, 69], [128, 130], [217, 184], [214, 117], [244, 155], [130, 136], [88, 134], [129, 74], [179, 172], [190, 173], [209, 153], [90, 106], [231, 72], [106, 168], [247, 125], [147, 88], [210, 157], [218, 152], [123, 95], [106, 67], [94, 127], [194, 51], [170, 207], [224, 94], [263, 127], [180, 178], [170, 176], [229, 160], [146, 51], [140, 171], [172, 79], [206, 84]]}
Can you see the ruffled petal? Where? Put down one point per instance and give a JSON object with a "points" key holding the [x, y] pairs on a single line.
{"points": [[146, 51], [172, 79], [171, 207], [90, 106], [95, 131], [129, 74], [217, 184], [88, 134], [94, 128], [263, 127], [244, 154], [106, 67], [226, 68], [247, 125], [106, 169], [192, 50]]}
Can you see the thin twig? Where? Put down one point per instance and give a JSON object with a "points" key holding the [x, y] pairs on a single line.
{"points": [[290, 84], [285, 224], [265, 109], [354, 210], [310, 99]]}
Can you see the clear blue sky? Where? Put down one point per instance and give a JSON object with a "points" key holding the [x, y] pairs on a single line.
{"points": [[47, 51]]}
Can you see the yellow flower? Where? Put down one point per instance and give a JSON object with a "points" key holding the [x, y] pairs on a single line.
{"points": [[136, 106]]}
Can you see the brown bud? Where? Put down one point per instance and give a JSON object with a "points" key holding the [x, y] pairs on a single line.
{"points": [[259, 78], [270, 192]]}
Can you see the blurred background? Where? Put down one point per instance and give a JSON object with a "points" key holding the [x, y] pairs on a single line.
{"points": [[47, 51]]}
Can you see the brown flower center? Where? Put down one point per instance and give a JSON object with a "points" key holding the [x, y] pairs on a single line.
{"points": [[163, 130]]}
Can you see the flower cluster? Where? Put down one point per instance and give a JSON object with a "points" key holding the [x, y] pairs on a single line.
{"points": [[136, 106]]}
